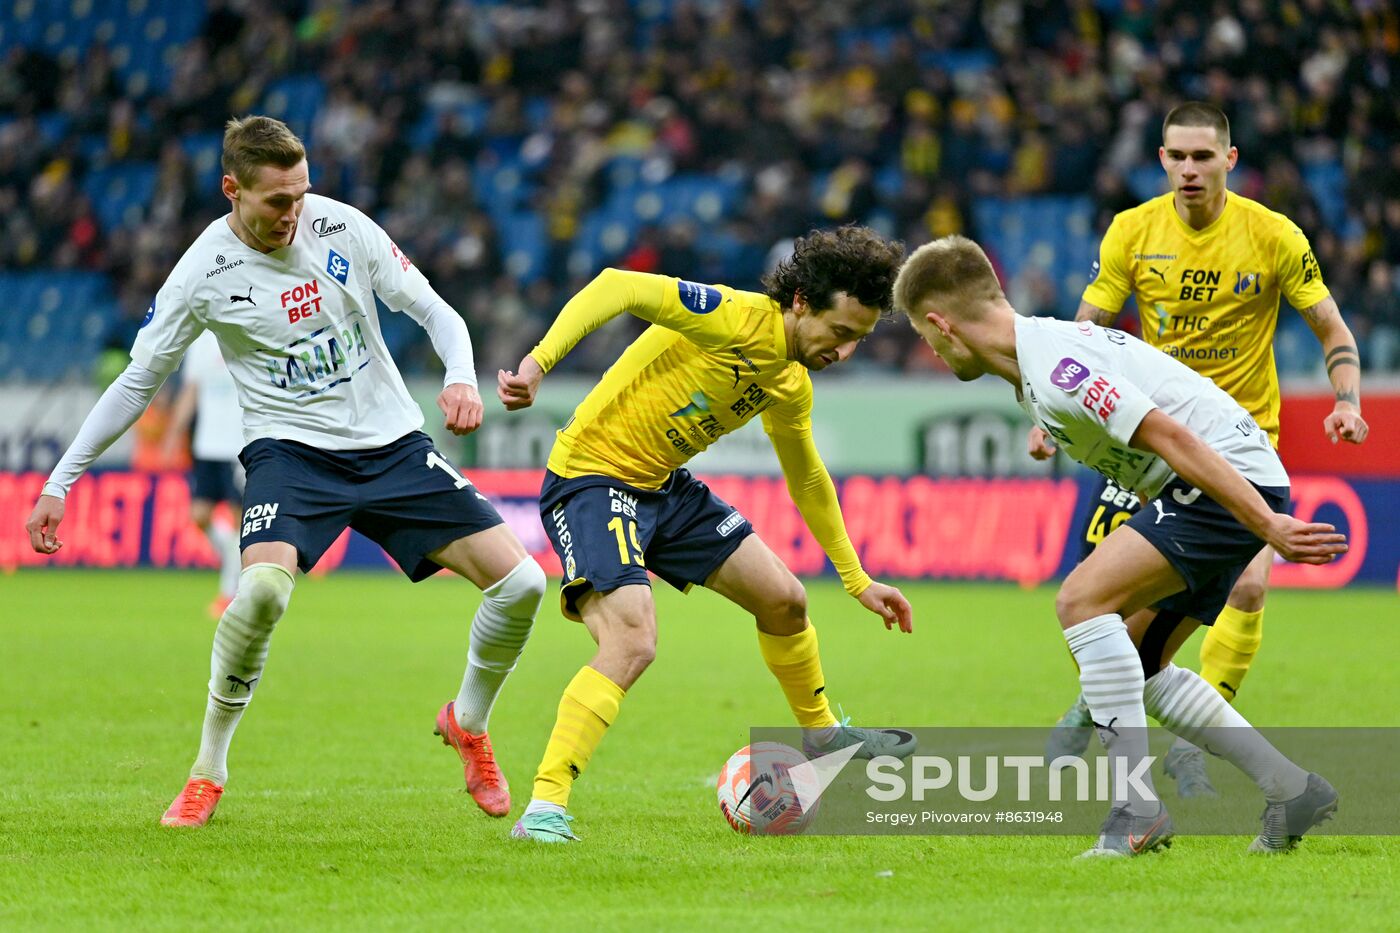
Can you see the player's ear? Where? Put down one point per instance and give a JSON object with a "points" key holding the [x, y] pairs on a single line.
{"points": [[1232, 155], [941, 322], [230, 186], [799, 304]]}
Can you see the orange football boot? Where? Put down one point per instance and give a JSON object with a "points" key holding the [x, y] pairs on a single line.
{"points": [[217, 607], [485, 782], [193, 806]]}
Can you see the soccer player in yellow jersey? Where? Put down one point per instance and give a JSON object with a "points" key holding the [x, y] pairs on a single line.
{"points": [[617, 500], [1208, 268]]}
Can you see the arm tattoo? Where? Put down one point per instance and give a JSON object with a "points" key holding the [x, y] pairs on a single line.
{"points": [[1342, 356], [1316, 315], [1342, 361], [1093, 314], [1348, 395]]}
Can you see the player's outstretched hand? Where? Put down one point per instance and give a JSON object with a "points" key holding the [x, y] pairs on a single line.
{"points": [[1344, 424], [43, 525], [516, 390], [1306, 542], [461, 408], [889, 604], [1038, 444]]}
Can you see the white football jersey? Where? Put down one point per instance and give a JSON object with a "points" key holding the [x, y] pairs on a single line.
{"points": [[297, 327], [217, 435], [1090, 387]]}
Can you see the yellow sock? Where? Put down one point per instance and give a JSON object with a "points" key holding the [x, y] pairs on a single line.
{"points": [[796, 662], [589, 705], [1229, 648]]}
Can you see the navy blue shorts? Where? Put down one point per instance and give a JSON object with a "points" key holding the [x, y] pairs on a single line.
{"points": [[609, 534], [213, 481], [403, 496], [1204, 542], [1109, 507]]}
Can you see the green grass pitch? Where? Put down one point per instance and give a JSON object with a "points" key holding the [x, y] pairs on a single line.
{"points": [[345, 812]]}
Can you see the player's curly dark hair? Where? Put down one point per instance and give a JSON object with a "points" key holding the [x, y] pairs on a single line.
{"points": [[851, 259]]}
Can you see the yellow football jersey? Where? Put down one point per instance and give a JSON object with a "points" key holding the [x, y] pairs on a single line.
{"points": [[1210, 297], [713, 359]]}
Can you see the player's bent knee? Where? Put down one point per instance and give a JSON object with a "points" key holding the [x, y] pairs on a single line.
{"points": [[641, 652], [521, 591], [784, 612], [1249, 593], [265, 590], [1076, 602]]}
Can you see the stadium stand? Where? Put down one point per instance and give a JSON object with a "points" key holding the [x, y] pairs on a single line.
{"points": [[514, 149]]}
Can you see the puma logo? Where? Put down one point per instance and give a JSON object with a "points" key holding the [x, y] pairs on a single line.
{"points": [[1233, 692], [574, 771], [248, 298], [1161, 511], [236, 680], [1159, 273], [736, 375]]}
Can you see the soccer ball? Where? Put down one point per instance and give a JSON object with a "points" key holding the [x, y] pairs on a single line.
{"points": [[758, 790]]}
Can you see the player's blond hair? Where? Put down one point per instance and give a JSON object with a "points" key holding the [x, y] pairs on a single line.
{"points": [[952, 270], [254, 141]]}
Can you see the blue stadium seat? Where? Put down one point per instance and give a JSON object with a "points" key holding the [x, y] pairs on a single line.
{"points": [[204, 151], [604, 235], [624, 172], [93, 147], [538, 111], [295, 100], [52, 322], [1327, 181], [1147, 181], [955, 61], [1052, 232], [889, 180], [879, 37], [52, 126], [524, 245], [120, 190], [471, 114], [1295, 347]]}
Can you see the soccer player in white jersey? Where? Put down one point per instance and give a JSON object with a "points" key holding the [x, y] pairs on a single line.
{"points": [[1217, 493], [286, 281], [209, 398]]}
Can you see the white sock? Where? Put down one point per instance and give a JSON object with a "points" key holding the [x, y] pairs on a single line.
{"points": [[236, 664], [1184, 703], [500, 629], [1110, 673], [220, 720], [542, 806], [225, 542]]}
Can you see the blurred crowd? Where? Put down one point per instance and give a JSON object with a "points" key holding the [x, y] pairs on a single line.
{"points": [[907, 112]]}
